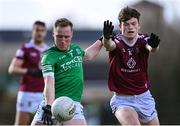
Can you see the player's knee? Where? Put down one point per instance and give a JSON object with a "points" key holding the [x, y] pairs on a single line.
{"points": [[130, 120], [127, 117]]}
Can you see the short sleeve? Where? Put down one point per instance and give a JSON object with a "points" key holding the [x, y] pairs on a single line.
{"points": [[20, 53], [80, 50], [118, 45], [48, 64], [143, 38]]}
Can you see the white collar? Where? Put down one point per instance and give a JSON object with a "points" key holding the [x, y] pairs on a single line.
{"points": [[41, 49], [130, 43]]}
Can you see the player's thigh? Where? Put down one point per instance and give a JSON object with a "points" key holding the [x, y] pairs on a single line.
{"points": [[22, 118], [127, 116], [146, 109]]}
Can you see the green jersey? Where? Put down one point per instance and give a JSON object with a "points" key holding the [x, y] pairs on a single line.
{"points": [[66, 67]]}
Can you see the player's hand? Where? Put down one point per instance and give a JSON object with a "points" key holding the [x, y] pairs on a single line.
{"points": [[108, 29], [46, 118], [153, 41], [34, 72]]}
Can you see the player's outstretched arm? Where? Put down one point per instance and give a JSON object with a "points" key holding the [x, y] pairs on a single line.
{"points": [[153, 43], [47, 62], [49, 98], [93, 50], [109, 44]]}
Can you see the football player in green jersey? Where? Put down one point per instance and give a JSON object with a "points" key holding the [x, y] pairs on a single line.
{"points": [[63, 72]]}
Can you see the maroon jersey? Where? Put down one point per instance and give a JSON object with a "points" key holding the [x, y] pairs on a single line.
{"points": [[128, 66], [31, 55]]}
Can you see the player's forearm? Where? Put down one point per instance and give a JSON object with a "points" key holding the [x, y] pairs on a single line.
{"points": [[93, 50], [16, 67], [109, 44], [49, 92], [155, 49], [17, 70]]}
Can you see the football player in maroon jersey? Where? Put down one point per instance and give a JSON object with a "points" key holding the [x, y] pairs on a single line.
{"points": [[132, 102], [27, 64]]}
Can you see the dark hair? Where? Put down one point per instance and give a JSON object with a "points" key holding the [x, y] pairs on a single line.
{"points": [[128, 13], [63, 22], [40, 23]]}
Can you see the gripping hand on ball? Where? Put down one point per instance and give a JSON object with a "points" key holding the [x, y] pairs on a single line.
{"points": [[47, 120]]}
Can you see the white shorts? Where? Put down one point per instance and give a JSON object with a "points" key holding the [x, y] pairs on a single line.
{"points": [[143, 104], [28, 101], [78, 113]]}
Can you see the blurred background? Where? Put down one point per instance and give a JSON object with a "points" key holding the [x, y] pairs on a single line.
{"points": [[159, 16]]}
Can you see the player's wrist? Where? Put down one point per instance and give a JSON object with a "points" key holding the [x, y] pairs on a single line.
{"points": [[29, 71], [105, 40], [148, 47], [108, 37], [24, 71], [47, 108], [153, 45]]}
